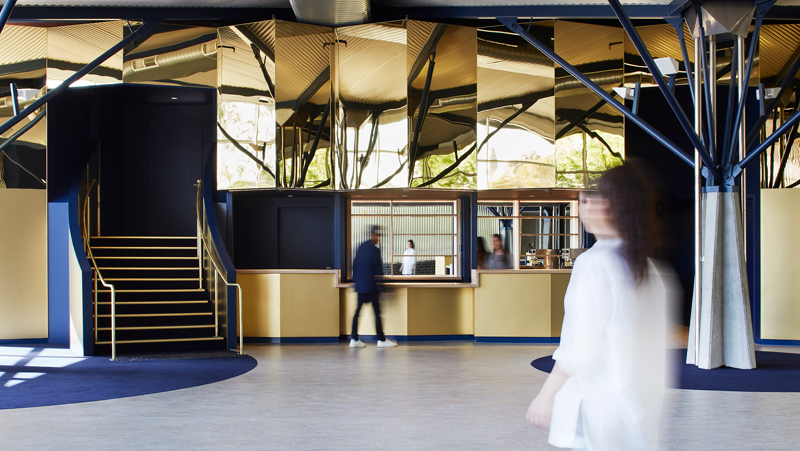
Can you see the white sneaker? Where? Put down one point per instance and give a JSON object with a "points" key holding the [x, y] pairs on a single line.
{"points": [[386, 343], [357, 343]]}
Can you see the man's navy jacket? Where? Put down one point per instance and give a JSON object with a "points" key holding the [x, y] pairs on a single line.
{"points": [[366, 266]]}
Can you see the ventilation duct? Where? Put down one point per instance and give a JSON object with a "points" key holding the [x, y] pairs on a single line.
{"points": [[197, 52], [331, 13]]}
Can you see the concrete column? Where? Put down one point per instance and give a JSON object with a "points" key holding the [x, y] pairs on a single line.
{"points": [[726, 332]]}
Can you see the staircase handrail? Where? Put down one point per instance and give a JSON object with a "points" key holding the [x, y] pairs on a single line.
{"points": [[202, 242], [99, 275]]}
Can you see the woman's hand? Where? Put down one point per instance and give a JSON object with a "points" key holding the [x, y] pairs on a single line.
{"points": [[540, 411]]}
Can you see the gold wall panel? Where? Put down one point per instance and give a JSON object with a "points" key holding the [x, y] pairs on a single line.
{"points": [[780, 305], [23, 268], [24, 56], [71, 47], [516, 105], [587, 144], [443, 154], [371, 106], [303, 73], [246, 109]]}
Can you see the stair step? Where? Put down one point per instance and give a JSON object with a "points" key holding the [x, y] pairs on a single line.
{"points": [[191, 248], [144, 237], [151, 302], [147, 315], [198, 326], [161, 340], [143, 257], [176, 290]]}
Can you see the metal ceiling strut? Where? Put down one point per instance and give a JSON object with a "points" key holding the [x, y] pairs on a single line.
{"points": [[511, 24], [143, 31], [662, 84], [5, 13]]}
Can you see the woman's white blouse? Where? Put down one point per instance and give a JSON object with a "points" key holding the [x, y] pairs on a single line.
{"points": [[612, 347], [409, 259]]}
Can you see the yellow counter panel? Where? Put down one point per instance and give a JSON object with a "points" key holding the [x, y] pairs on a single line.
{"points": [[524, 305], [290, 305]]}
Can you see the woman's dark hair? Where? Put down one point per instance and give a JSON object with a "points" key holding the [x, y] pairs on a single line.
{"points": [[631, 210], [412, 243]]}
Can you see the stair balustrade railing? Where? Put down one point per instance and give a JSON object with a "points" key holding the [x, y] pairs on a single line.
{"points": [[202, 249], [97, 275]]}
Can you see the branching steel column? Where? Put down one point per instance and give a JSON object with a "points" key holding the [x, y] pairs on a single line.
{"points": [[511, 24], [659, 79], [761, 10], [677, 23], [144, 30]]}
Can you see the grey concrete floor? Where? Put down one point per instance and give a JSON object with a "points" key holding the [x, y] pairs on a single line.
{"points": [[445, 396]]}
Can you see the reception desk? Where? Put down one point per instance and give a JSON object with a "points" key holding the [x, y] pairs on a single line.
{"points": [[312, 307]]}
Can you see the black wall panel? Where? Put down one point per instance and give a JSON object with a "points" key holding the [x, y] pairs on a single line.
{"points": [[282, 232]]}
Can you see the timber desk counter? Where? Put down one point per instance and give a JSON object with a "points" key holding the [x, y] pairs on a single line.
{"points": [[311, 306]]}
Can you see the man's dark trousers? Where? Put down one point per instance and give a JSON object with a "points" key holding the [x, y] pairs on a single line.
{"points": [[374, 299]]}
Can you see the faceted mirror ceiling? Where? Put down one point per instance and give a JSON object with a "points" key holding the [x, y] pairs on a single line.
{"points": [[395, 104]]}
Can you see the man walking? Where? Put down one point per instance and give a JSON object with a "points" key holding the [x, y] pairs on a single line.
{"points": [[366, 266]]}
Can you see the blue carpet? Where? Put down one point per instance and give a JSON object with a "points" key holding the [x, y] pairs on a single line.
{"points": [[34, 376], [776, 372]]}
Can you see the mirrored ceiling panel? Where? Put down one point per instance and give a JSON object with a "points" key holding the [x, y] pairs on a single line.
{"points": [[303, 59], [371, 113], [589, 132], [174, 55], [71, 47], [516, 107], [246, 110], [442, 93], [24, 57]]}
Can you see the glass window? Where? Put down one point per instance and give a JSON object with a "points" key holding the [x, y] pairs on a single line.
{"points": [[420, 238], [533, 235]]}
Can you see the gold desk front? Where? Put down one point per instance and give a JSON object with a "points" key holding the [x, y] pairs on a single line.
{"points": [[520, 304]]}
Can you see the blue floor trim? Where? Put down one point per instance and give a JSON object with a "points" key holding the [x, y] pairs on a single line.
{"points": [[408, 338], [528, 340], [23, 341], [767, 342], [775, 372], [290, 340]]}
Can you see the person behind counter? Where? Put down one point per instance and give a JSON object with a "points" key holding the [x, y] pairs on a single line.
{"points": [[481, 253], [607, 387], [409, 259], [498, 258], [366, 266]]}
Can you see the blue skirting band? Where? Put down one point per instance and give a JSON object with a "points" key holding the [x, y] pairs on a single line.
{"points": [[528, 340], [290, 340]]}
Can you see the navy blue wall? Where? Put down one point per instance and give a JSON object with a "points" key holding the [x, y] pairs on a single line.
{"points": [[274, 231]]}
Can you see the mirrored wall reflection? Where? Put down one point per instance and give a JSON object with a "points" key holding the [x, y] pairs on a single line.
{"points": [[442, 93], [173, 55], [23, 61], [246, 148], [303, 58], [371, 106], [71, 47], [589, 132], [516, 106]]}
